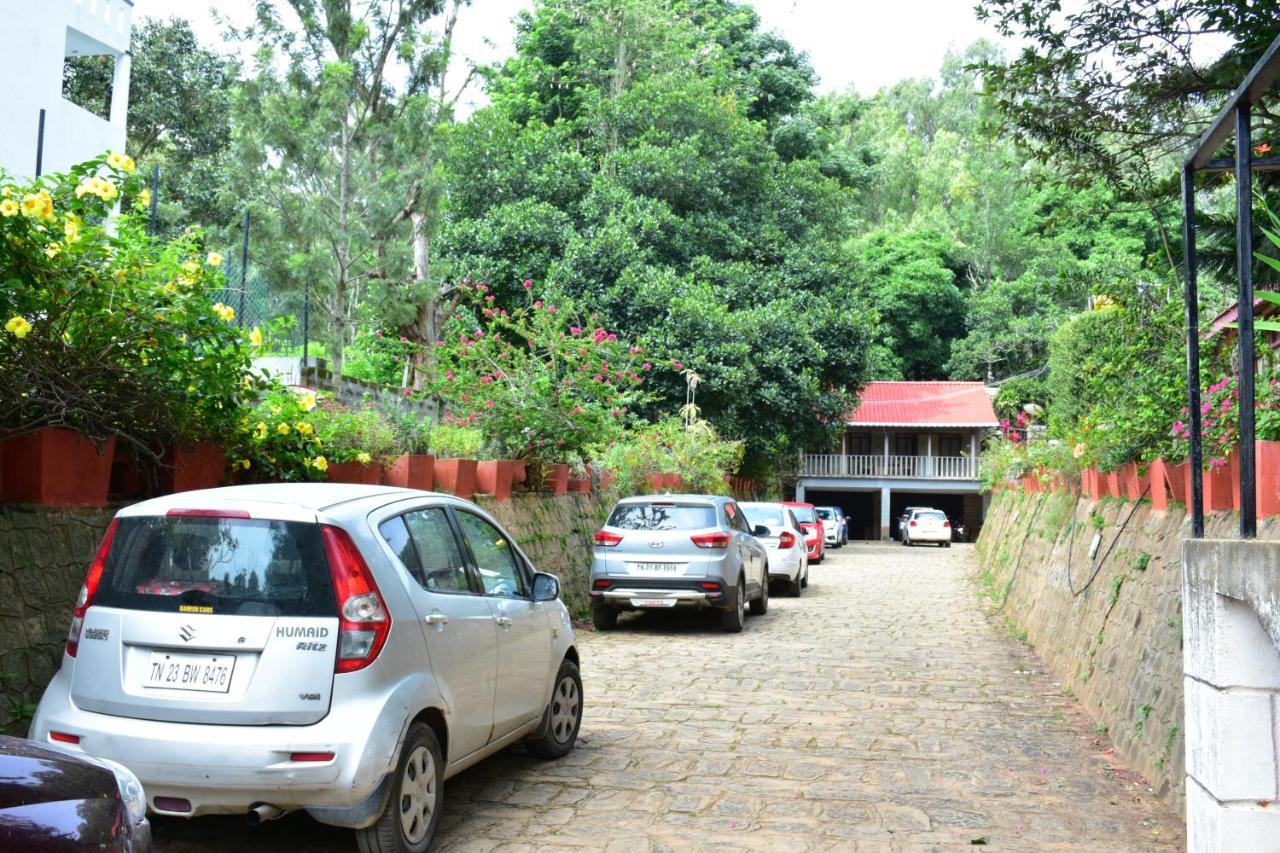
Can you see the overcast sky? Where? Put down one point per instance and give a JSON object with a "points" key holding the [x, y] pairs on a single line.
{"points": [[864, 43]]}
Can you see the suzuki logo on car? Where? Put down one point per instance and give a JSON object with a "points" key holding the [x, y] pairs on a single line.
{"points": [[186, 632], [656, 543]]}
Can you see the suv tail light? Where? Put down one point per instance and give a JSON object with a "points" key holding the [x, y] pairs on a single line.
{"points": [[90, 588], [363, 621], [716, 540], [605, 539], [787, 539]]}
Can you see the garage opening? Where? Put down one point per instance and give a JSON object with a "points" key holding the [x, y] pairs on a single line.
{"points": [[952, 505], [862, 509]]}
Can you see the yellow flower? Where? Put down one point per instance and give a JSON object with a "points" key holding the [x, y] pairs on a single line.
{"points": [[255, 337], [304, 428], [260, 431], [143, 199], [31, 205], [320, 463], [225, 312], [122, 161], [107, 191], [363, 458], [190, 267], [18, 327], [9, 207], [214, 259], [170, 287], [244, 463], [51, 250], [283, 428], [307, 400], [71, 228]]}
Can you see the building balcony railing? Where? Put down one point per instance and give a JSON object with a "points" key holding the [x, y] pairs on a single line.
{"points": [[879, 466]]}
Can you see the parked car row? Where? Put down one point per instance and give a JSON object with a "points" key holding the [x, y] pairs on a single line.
{"points": [[337, 649]]}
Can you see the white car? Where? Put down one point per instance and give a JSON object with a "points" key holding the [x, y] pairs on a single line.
{"points": [[927, 525], [332, 648], [788, 559], [832, 528]]}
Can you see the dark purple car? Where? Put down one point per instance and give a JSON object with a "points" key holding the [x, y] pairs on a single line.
{"points": [[56, 801]]}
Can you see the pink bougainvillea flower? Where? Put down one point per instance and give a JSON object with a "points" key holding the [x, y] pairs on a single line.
{"points": [[551, 309], [678, 366], [646, 366], [528, 283], [598, 378], [489, 403], [538, 304], [575, 330]]}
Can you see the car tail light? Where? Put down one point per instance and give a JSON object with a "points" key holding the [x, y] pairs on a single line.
{"points": [[946, 524], [63, 737], [181, 512], [90, 588], [605, 539], [311, 756], [602, 583], [716, 540], [363, 621], [787, 539], [913, 523]]}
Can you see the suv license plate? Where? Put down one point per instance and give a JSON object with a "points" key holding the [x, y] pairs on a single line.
{"points": [[653, 602], [176, 671], [654, 568]]}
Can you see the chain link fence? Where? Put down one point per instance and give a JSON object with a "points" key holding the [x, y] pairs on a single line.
{"points": [[257, 303]]}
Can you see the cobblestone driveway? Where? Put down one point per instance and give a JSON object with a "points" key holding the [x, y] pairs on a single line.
{"points": [[881, 711]]}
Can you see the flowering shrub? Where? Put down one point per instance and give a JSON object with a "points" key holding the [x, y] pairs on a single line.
{"points": [[542, 386], [363, 435], [106, 330], [693, 450], [277, 439], [1220, 418]]}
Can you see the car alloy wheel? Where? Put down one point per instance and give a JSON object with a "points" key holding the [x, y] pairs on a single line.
{"points": [[566, 705], [417, 795]]}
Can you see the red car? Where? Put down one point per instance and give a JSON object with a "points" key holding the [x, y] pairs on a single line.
{"points": [[814, 541]]}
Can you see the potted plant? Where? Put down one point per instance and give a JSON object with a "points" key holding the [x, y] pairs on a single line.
{"points": [[414, 467], [496, 477], [357, 443], [457, 447]]}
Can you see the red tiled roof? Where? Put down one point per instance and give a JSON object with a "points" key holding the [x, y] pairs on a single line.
{"points": [[952, 404]]}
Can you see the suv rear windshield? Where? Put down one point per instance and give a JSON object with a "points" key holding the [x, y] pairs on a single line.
{"points": [[767, 515], [663, 516], [240, 566], [804, 514]]}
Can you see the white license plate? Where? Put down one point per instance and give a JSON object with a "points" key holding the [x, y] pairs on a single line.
{"points": [[178, 671], [653, 602], [651, 569]]}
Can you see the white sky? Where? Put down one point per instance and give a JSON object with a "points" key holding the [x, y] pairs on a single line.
{"points": [[864, 43]]}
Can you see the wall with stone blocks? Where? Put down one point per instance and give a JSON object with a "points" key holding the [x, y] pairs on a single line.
{"points": [[44, 554], [1116, 641], [1232, 682]]}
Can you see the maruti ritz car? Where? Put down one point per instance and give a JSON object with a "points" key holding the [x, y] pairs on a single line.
{"points": [[335, 648], [784, 541], [661, 551], [814, 540]]}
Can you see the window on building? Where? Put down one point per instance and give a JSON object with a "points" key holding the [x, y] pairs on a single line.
{"points": [[905, 444], [859, 443], [950, 444]]}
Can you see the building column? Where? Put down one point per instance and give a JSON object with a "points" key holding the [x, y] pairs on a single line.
{"points": [[886, 453], [973, 452], [928, 453], [800, 492], [120, 95], [886, 531]]}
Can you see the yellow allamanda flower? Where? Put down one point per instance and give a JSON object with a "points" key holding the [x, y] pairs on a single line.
{"points": [[214, 259], [304, 428], [18, 327], [363, 458], [255, 337], [142, 200], [190, 267], [107, 191], [283, 428], [307, 400], [319, 463], [121, 161], [244, 463], [71, 228], [225, 312], [51, 250], [91, 185], [260, 430], [9, 207]]}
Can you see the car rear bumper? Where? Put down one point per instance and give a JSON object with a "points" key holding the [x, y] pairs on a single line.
{"points": [[225, 769], [629, 593], [785, 564], [815, 549], [929, 537]]}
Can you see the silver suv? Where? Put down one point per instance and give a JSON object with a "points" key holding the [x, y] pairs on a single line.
{"points": [[661, 551], [339, 649]]}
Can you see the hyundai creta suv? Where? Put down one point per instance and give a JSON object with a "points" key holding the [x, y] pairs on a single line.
{"points": [[335, 648], [661, 551]]}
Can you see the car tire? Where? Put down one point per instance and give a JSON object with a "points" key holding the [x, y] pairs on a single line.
{"points": [[563, 716], [795, 586], [733, 619], [604, 617], [805, 583], [408, 821], [946, 544], [760, 606]]}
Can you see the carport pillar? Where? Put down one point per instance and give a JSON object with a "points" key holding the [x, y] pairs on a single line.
{"points": [[800, 492], [885, 532]]}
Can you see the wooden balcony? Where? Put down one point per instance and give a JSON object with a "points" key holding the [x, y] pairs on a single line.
{"points": [[878, 467]]}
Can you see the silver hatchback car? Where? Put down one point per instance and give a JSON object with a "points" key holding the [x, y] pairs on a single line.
{"points": [[660, 551], [334, 648]]}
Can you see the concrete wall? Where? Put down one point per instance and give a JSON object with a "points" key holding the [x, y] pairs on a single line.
{"points": [[44, 554], [1116, 641], [1232, 682], [38, 35]]}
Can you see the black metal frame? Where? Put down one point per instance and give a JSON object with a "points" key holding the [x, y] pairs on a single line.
{"points": [[1233, 120]]}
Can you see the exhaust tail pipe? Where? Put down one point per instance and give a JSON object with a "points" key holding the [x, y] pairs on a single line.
{"points": [[263, 812]]}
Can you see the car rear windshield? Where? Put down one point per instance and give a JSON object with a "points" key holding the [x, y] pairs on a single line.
{"points": [[769, 516], [826, 513], [932, 516], [804, 514], [663, 516], [247, 567]]}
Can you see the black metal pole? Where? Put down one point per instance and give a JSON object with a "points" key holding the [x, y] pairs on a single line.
{"points": [[155, 199], [1196, 497], [1244, 262], [244, 265], [40, 145]]}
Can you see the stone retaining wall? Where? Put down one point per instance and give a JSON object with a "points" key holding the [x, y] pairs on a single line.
{"points": [[1109, 627], [44, 554]]}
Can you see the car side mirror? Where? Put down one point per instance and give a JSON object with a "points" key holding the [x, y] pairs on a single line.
{"points": [[545, 587], [760, 530]]}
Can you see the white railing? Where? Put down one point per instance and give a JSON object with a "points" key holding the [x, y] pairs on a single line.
{"points": [[914, 467]]}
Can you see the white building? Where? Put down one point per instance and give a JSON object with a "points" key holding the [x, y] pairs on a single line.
{"points": [[38, 36]]}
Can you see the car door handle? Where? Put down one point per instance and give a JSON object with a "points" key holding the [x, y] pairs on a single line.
{"points": [[437, 618], [504, 621]]}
